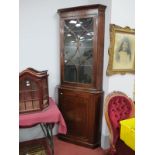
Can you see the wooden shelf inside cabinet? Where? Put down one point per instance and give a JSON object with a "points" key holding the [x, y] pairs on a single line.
{"points": [[81, 58], [33, 90]]}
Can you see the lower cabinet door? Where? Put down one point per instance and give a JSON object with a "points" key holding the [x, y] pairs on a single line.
{"points": [[78, 109]]}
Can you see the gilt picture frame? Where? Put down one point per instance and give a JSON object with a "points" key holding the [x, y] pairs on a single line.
{"points": [[121, 50]]}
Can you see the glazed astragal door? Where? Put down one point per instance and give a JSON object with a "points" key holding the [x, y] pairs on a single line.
{"points": [[78, 40]]}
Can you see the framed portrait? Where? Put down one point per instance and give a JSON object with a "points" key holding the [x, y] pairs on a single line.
{"points": [[121, 50]]}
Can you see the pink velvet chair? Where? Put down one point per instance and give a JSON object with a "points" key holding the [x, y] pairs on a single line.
{"points": [[118, 106]]}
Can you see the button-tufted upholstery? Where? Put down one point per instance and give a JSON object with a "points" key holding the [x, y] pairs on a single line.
{"points": [[118, 106]]}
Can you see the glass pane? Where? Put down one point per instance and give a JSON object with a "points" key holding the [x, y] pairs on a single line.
{"points": [[78, 50]]}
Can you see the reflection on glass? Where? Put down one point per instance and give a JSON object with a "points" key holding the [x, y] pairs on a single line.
{"points": [[78, 41]]}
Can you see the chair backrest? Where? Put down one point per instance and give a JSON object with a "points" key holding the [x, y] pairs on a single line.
{"points": [[118, 106]]}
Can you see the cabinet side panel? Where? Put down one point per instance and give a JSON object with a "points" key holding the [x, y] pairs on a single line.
{"points": [[100, 50]]}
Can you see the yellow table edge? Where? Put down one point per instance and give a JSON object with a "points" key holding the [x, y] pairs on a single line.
{"points": [[127, 132]]}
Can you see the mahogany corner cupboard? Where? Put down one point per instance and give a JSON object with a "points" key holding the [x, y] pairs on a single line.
{"points": [[80, 91]]}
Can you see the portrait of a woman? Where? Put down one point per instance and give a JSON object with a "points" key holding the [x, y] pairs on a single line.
{"points": [[123, 54]]}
